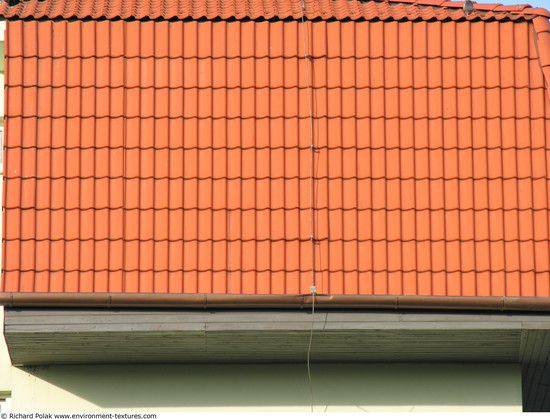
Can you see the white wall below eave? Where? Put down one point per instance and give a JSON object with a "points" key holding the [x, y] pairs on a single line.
{"points": [[5, 363], [336, 387]]}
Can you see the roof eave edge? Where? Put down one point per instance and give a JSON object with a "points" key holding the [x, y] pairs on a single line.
{"points": [[278, 301]]}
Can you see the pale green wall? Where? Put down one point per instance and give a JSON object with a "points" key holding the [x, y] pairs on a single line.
{"points": [[5, 364], [336, 387]]}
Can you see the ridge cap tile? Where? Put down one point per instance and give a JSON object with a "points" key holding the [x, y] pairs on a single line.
{"points": [[430, 3], [487, 6], [225, 9], [541, 25], [539, 11]]}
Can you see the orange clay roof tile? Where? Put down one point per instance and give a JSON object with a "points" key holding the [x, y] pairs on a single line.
{"points": [[174, 156]]}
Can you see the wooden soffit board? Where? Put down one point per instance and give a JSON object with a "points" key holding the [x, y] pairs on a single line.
{"points": [[68, 336]]}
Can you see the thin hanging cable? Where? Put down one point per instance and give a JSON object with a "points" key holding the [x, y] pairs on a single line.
{"points": [[311, 209], [228, 261], [309, 347]]}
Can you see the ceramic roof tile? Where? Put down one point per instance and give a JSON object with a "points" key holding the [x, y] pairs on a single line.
{"points": [[142, 156], [268, 9]]}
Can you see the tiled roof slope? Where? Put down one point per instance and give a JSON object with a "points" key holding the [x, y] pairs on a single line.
{"points": [[267, 9], [174, 156]]}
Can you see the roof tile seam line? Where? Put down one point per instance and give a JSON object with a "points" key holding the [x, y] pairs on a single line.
{"points": [[21, 161], [532, 191], [367, 209], [517, 197], [320, 87], [297, 270], [36, 134], [324, 208], [445, 228], [326, 177], [139, 102], [269, 57], [487, 133], [318, 118], [471, 131], [299, 240], [506, 285], [124, 148], [5, 160], [63, 166], [267, 147]]}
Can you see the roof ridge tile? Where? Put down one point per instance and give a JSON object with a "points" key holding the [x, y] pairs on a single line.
{"points": [[539, 11], [282, 9], [429, 2]]}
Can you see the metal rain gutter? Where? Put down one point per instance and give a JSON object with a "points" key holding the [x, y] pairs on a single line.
{"points": [[282, 301]]}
